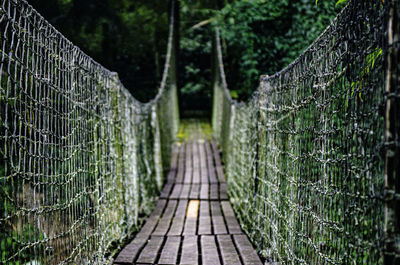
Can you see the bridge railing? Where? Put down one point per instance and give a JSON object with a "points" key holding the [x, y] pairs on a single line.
{"points": [[81, 160], [310, 156]]}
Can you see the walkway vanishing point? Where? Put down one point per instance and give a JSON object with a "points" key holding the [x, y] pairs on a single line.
{"points": [[193, 221]]}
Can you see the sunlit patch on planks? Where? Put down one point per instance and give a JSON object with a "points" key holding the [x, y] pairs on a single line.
{"points": [[193, 209], [193, 221]]}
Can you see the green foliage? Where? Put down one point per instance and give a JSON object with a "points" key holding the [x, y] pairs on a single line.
{"points": [[128, 37], [246, 27], [337, 3], [371, 58], [341, 2], [10, 242], [12, 239], [188, 126], [261, 37], [195, 56]]}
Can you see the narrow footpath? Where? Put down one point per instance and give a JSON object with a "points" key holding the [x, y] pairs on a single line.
{"points": [[193, 221]]}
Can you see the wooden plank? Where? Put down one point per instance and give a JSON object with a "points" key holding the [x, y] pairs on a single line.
{"points": [[209, 252], [203, 162], [188, 164], [171, 176], [165, 221], [129, 253], [193, 209], [158, 210], [191, 218], [218, 165], [153, 219], [210, 164], [196, 175], [196, 163], [204, 219], [246, 250], [223, 195], [169, 254], [176, 192], [174, 164], [204, 192], [174, 157], [179, 219], [204, 208], [181, 211], [185, 191], [228, 251], [190, 226], [150, 251], [230, 217], [214, 192], [220, 173], [166, 190], [195, 191], [181, 164], [217, 219], [189, 250], [215, 152]]}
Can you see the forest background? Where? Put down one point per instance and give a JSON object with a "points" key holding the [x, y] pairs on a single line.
{"points": [[130, 38]]}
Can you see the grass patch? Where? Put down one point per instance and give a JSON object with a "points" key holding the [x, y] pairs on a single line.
{"points": [[188, 127]]}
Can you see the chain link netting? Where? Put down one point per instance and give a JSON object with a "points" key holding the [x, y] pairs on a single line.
{"points": [[304, 157], [80, 159]]}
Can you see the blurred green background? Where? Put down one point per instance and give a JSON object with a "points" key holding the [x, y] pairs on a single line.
{"points": [[130, 37]]}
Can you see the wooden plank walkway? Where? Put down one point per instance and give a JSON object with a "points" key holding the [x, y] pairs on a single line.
{"points": [[193, 221]]}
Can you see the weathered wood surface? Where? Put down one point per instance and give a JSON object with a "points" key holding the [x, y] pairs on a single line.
{"points": [[175, 234]]}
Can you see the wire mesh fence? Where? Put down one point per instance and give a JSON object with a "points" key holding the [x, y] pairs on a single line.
{"points": [[304, 156], [80, 159]]}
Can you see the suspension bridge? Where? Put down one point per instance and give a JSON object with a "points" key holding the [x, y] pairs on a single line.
{"points": [[306, 171]]}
